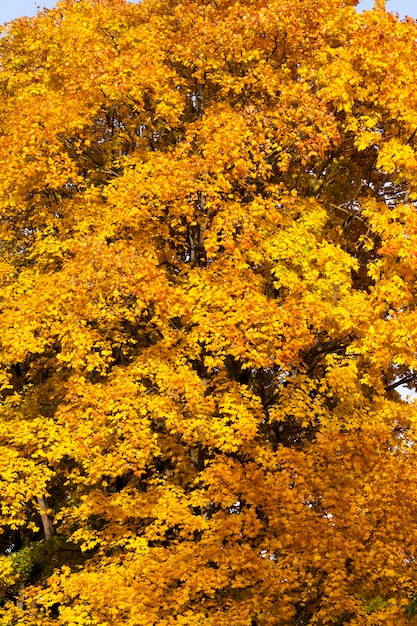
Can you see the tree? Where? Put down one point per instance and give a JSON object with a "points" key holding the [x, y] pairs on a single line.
{"points": [[208, 259]]}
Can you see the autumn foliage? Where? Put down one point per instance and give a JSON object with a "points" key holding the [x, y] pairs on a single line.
{"points": [[208, 257]]}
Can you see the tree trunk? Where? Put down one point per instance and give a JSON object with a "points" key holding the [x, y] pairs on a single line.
{"points": [[48, 530]]}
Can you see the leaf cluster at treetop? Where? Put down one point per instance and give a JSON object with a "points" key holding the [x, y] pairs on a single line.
{"points": [[208, 256]]}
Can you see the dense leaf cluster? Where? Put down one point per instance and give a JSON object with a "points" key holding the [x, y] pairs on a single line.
{"points": [[208, 240]]}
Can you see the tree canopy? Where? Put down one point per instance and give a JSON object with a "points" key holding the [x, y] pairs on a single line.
{"points": [[208, 256]]}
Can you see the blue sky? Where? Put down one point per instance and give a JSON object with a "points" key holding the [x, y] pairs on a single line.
{"points": [[9, 9], [403, 7]]}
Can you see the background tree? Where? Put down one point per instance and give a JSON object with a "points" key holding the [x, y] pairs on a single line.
{"points": [[207, 280]]}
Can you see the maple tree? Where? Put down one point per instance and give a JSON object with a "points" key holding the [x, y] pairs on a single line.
{"points": [[208, 304]]}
